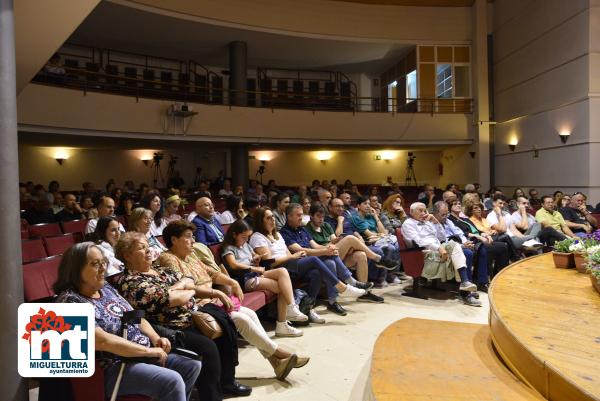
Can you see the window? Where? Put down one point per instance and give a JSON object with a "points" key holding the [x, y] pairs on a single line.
{"points": [[443, 88], [411, 86], [392, 96], [462, 88]]}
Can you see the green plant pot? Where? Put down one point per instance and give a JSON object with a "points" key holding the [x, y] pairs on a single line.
{"points": [[595, 283], [580, 263], [563, 260]]}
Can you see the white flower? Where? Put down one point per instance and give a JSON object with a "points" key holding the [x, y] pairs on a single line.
{"points": [[576, 247], [593, 249]]}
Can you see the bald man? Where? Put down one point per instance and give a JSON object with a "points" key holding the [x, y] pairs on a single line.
{"points": [[208, 230]]}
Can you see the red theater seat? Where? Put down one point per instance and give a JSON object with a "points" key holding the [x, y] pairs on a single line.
{"points": [[75, 227], [92, 389], [39, 277], [216, 251], [57, 245], [44, 230], [32, 250], [412, 262]]}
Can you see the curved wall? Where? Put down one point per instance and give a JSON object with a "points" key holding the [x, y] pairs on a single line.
{"points": [[326, 18]]}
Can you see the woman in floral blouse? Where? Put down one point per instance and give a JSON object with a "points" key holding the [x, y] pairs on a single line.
{"points": [[179, 237], [81, 280], [168, 299]]}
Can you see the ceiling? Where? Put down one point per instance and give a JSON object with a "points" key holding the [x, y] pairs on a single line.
{"points": [[419, 3], [118, 27]]}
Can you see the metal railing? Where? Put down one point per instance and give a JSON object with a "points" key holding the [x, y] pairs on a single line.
{"points": [[188, 90]]}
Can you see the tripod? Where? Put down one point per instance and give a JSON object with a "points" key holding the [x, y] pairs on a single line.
{"points": [[410, 176], [261, 171], [171, 169], [157, 173]]}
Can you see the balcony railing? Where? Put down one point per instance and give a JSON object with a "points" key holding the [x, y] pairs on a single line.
{"points": [[208, 89]]}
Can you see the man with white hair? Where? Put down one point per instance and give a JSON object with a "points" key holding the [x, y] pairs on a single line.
{"points": [[443, 259], [324, 197], [470, 189]]}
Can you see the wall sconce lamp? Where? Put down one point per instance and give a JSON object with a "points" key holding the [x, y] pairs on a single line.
{"points": [[564, 136], [513, 144], [472, 155], [323, 156], [60, 155], [60, 160], [146, 161], [388, 155]]}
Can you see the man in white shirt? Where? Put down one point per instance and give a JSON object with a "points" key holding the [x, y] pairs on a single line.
{"points": [[106, 207], [424, 230], [501, 221]]}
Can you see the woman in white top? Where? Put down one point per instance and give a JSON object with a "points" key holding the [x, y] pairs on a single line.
{"points": [[234, 210], [269, 244], [306, 203], [153, 202], [107, 235], [226, 190]]}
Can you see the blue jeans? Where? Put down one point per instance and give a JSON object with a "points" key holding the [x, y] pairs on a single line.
{"points": [[312, 270], [482, 266], [174, 382], [337, 267], [376, 273]]}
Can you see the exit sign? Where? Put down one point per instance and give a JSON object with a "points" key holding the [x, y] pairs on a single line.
{"points": [[377, 157]]}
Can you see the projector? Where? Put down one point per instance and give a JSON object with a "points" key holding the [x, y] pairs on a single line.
{"points": [[178, 107]]}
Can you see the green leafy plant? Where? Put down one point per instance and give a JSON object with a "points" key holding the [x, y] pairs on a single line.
{"points": [[563, 246], [593, 264]]}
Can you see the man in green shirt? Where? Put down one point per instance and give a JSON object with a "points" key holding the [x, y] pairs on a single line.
{"points": [[548, 217]]}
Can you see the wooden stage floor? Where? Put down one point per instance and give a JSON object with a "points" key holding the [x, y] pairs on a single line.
{"points": [[430, 360], [545, 323]]}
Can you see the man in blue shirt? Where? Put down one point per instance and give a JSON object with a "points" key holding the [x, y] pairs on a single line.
{"points": [[208, 230], [298, 239]]}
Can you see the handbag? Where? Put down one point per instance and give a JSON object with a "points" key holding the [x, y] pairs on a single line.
{"points": [[207, 325]]}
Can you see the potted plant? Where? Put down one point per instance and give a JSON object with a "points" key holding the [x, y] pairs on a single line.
{"points": [[577, 248], [593, 266], [562, 256]]}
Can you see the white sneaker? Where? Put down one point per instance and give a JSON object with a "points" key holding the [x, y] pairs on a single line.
{"points": [[283, 329], [467, 286], [352, 292], [314, 317], [293, 314]]}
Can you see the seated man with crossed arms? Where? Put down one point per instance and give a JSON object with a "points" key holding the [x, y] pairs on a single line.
{"points": [[443, 259]]}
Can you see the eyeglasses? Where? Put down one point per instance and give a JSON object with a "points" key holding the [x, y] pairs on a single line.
{"points": [[99, 264]]}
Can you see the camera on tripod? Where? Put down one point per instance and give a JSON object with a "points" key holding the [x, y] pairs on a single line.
{"points": [[411, 159], [157, 158]]}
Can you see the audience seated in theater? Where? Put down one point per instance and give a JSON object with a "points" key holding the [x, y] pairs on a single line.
{"points": [[314, 188], [428, 196], [577, 217], [153, 202], [279, 204], [125, 205], [374, 192], [81, 280], [501, 221], [470, 189], [301, 192], [261, 195], [110, 187], [353, 252], [475, 253], [449, 196], [488, 202], [367, 223], [388, 182], [525, 223], [58, 203], [443, 260], [140, 221], [298, 239], [71, 211], [498, 253], [324, 197], [392, 213], [179, 237], [306, 203], [106, 207], [208, 229], [355, 193], [171, 207], [474, 211], [243, 265], [88, 189], [251, 204], [106, 236], [40, 212], [226, 190], [86, 203], [534, 199], [340, 219], [175, 181], [268, 243], [234, 210], [168, 299], [560, 200], [548, 216], [203, 190], [375, 203], [348, 186], [333, 190]]}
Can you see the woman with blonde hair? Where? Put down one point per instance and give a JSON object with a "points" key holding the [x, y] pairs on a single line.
{"points": [[140, 221]]}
